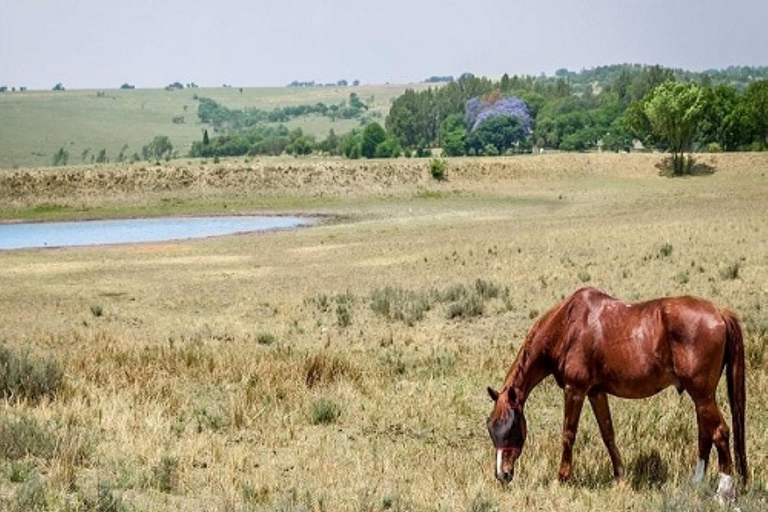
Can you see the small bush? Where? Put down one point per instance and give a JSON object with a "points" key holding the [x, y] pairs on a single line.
{"points": [[31, 496], [487, 289], [19, 471], [165, 474], [324, 411], [665, 250], [470, 306], [437, 168], [584, 276], [682, 277], [24, 437], [105, 500], [453, 293], [96, 310], [265, 338], [397, 304], [24, 377]]}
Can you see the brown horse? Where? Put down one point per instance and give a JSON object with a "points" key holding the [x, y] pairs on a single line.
{"points": [[595, 345]]}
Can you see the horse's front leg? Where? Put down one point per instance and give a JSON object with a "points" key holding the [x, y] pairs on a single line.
{"points": [[574, 400], [602, 412]]}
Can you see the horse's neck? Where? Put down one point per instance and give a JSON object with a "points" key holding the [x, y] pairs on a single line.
{"points": [[530, 366]]}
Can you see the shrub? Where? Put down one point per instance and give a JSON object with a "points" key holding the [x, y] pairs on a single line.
{"points": [[731, 271], [265, 338], [26, 377], [61, 157], [487, 289], [470, 306], [165, 474], [324, 411], [397, 304], [31, 496], [437, 168], [24, 437], [665, 250]]}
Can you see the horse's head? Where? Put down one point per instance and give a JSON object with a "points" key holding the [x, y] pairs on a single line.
{"points": [[507, 428]]}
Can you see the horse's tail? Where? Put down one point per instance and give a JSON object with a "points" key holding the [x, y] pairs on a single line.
{"points": [[737, 393]]}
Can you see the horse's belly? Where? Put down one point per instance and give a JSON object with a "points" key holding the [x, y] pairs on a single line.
{"points": [[636, 382]]}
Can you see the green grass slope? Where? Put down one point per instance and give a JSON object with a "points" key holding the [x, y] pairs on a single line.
{"points": [[34, 125]]}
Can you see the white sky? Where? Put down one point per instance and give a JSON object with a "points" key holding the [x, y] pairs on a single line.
{"points": [[150, 43]]}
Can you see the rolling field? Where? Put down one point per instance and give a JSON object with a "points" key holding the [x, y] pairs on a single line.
{"points": [[35, 124], [343, 367]]}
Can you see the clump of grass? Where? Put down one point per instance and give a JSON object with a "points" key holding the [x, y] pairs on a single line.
{"points": [[453, 293], [470, 306], [682, 277], [105, 500], [665, 250], [344, 304], [210, 417], [265, 338], [32, 496], [324, 411], [25, 377], [648, 471], [584, 276], [437, 168], [395, 363], [325, 369], [482, 504], [397, 304], [97, 310], [165, 474], [24, 437], [19, 471], [731, 272], [487, 289]]}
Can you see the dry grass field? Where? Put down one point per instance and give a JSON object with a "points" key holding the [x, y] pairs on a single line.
{"points": [[343, 367]]}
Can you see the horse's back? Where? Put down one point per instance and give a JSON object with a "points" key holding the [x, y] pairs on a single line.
{"points": [[637, 349]]}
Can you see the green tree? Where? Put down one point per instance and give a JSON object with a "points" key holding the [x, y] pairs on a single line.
{"points": [[302, 145], [389, 148], [61, 157], [159, 147], [674, 111], [206, 138], [756, 98], [101, 158], [351, 145], [453, 134], [373, 135], [500, 132]]}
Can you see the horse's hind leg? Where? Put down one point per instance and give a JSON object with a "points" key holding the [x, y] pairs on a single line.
{"points": [[602, 412]]}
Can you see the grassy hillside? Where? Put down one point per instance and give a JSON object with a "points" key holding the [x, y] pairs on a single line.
{"points": [[343, 367], [36, 124]]}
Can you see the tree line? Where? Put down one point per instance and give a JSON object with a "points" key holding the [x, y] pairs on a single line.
{"points": [[222, 118], [610, 107], [727, 117]]}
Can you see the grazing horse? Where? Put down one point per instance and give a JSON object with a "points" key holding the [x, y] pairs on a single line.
{"points": [[595, 345]]}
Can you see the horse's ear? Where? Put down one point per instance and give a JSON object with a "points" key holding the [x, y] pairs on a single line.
{"points": [[493, 394]]}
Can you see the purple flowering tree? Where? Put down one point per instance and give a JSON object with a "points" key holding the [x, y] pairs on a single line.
{"points": [[477, 111]]}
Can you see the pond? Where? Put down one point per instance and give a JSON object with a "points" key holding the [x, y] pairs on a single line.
{"points": [[97, 232]]}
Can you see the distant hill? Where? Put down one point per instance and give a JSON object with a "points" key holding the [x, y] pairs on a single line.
{"points": [[35, 125]]}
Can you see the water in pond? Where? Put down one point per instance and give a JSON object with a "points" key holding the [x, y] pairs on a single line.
{"points": [[61, 234]]}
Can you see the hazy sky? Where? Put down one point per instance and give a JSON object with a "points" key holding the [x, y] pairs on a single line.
{"points": [[150, 43]]}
